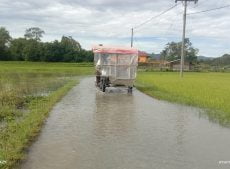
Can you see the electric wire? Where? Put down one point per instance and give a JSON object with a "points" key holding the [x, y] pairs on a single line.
{"points": [[154, 17], [171, 25], [208, 10], [173, 20]]}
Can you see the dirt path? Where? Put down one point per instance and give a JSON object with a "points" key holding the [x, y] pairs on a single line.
{"points": [[89, 129]]}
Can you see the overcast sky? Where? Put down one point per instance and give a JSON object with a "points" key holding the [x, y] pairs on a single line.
{"points": [[109, 22]]}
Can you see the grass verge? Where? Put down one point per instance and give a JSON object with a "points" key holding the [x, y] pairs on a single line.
{"points": [[18, 134]]}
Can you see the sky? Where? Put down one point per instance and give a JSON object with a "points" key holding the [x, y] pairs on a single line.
{"points": [[109, 22]]}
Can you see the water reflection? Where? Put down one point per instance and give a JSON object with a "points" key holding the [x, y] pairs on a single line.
{"points": [[180, 126], [114, 114]]}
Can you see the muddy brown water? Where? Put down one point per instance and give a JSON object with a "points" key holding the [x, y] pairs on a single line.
{"points": [[89, 129]]}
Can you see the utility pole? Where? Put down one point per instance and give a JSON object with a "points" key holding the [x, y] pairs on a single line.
{"points": [[183, 35], [131, 37]]}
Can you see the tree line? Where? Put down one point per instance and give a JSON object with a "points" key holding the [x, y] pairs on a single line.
{"points": [[220, 61], [172, 52], [31, 48]]}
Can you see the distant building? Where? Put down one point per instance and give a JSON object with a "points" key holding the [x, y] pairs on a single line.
{"points": [[142, 57], [175, 65]]}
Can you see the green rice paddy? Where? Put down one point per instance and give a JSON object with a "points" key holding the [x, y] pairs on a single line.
{"points": [[28, 91], [210, 91]]}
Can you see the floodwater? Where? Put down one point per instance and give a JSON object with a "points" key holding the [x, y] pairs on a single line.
{"points": [[89, 129]]}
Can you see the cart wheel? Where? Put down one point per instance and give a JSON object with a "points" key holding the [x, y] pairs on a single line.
{"points": [[130, 89], [98, 81], [100, 85], [103, 88], [103, 85]]}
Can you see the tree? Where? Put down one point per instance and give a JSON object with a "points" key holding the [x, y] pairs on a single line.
{"points": [[34, 33], [52, 52], [4, 43], [85, 56], [220, 61], [70, 44], [172, 51], [32, 50], [4, 37], [72, 49], [17, 47]]}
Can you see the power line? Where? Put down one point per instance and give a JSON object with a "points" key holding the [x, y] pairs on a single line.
{"points": [[138, 26], [208, 10], [154, 17], [172, 23], [173, 20], [157, 21]]}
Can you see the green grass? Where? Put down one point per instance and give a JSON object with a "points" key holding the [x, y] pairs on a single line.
{"points": [[46, 67], [28, 91], [206, 90], [17, 135]]}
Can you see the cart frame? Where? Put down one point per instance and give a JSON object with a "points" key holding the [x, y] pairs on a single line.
{"points": [[115, 66]]}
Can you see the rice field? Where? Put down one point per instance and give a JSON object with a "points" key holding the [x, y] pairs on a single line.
{"points": [[27, 93], [46, 67], [210, 91]]}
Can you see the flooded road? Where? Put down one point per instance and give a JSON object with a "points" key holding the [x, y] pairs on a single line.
{"points": [[89, 129]]}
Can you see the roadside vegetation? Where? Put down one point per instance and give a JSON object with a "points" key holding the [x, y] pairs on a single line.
{"points": [[28, 91], [31, 48], [206, 90]]}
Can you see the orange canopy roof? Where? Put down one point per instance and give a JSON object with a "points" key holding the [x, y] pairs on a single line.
{"points": [[116, 50]]}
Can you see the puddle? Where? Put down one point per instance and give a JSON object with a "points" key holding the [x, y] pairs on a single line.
{"points": [[89, 129]]}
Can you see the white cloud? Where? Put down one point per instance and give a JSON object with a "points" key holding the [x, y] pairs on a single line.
{"points": [[110, 21]]}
